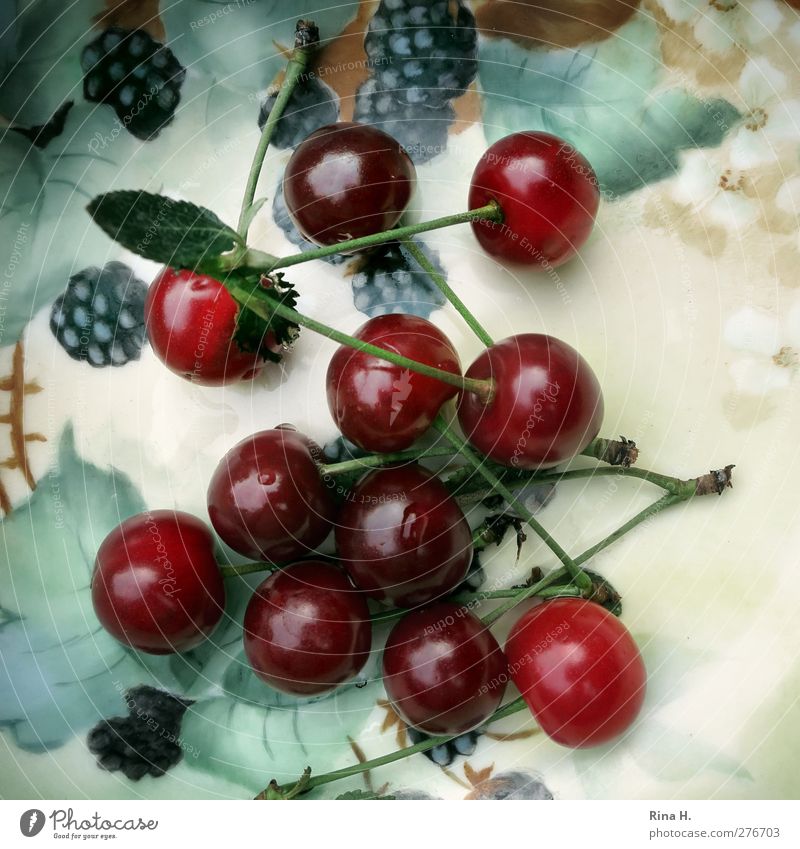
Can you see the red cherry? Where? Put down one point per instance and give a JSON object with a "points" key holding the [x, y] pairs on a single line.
{"points": [[307, 629], [380, 406], [443, 670], [190, 320], [347, 180], [402, 537], [548, 193], [266, 498], [547, 405], [579, 670], [156, 585]]}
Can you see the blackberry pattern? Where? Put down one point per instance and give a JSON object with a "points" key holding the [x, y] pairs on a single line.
{"points": [[391, 281], [422, 56], [280, 215], [420, 130], [423, 53], [340, 449], [100, 317], [512, 786], [312, 105], [147, 741], [136, 75], [446, 753]]}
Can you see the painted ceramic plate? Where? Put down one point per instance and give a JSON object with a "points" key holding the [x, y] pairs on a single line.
{"points": [[684, 300]]}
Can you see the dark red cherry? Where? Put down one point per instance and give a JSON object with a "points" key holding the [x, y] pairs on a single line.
{"points": [[547, 405], [347, 180], [402, 537], [579, 670], [156, 585], [548, 193], [266, 498], [443, 670], [307, 629], [383, 407], [190, 320]]}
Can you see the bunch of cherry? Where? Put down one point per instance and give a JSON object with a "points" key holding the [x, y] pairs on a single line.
{"points": [[528, 403]]}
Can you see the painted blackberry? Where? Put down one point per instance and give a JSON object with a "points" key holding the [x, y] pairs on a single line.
{"points": [[100, 316], [147, 741], [423, 53], [340, 449], [444, 755], [391, 281], [512, 786], [312, 105], [136, 75], [421, 130], [281, 217]]}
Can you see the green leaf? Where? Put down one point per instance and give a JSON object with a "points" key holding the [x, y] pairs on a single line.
{"points": [[362, 795], [173, 232], [254, 332]]}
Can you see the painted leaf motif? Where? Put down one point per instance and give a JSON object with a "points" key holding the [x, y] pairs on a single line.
{"points": [[239, 42], [601, 99], [61, 671]]}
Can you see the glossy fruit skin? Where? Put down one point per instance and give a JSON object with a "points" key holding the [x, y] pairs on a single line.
{"points": [[443, 670], [547, 406], [347, 180], [190, 320], [380, 406], [156, 585], [549, 195], [402, 538], [266, 498], [579, 670], [307, 629]]}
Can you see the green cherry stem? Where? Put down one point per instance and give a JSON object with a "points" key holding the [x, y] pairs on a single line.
{"points": [[249, 299], [444, 287], [299, 61], [260, 261], [309, 783], [579, 578], [373, 461], [230, 570]]}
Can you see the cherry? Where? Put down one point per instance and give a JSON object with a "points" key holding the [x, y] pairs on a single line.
{"points": [[548, 193], [380, 406], [547, 405], [443, 670], [190, 320], [402, 537], [266, 498], [347, 180], [156, 585], [307, 629], [579, 670]]}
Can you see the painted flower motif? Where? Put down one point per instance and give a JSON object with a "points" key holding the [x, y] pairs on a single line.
{"points": [[722, 25], [714, 191], [769, 118], [768, 347]]}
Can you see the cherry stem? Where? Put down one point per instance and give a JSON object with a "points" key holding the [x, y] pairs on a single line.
{"points": [[580, 578], [261, 261], [615, 452], [305, 784], [298, 62], [444, 287], [249, 299], [372, 461], [230, 570]]}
